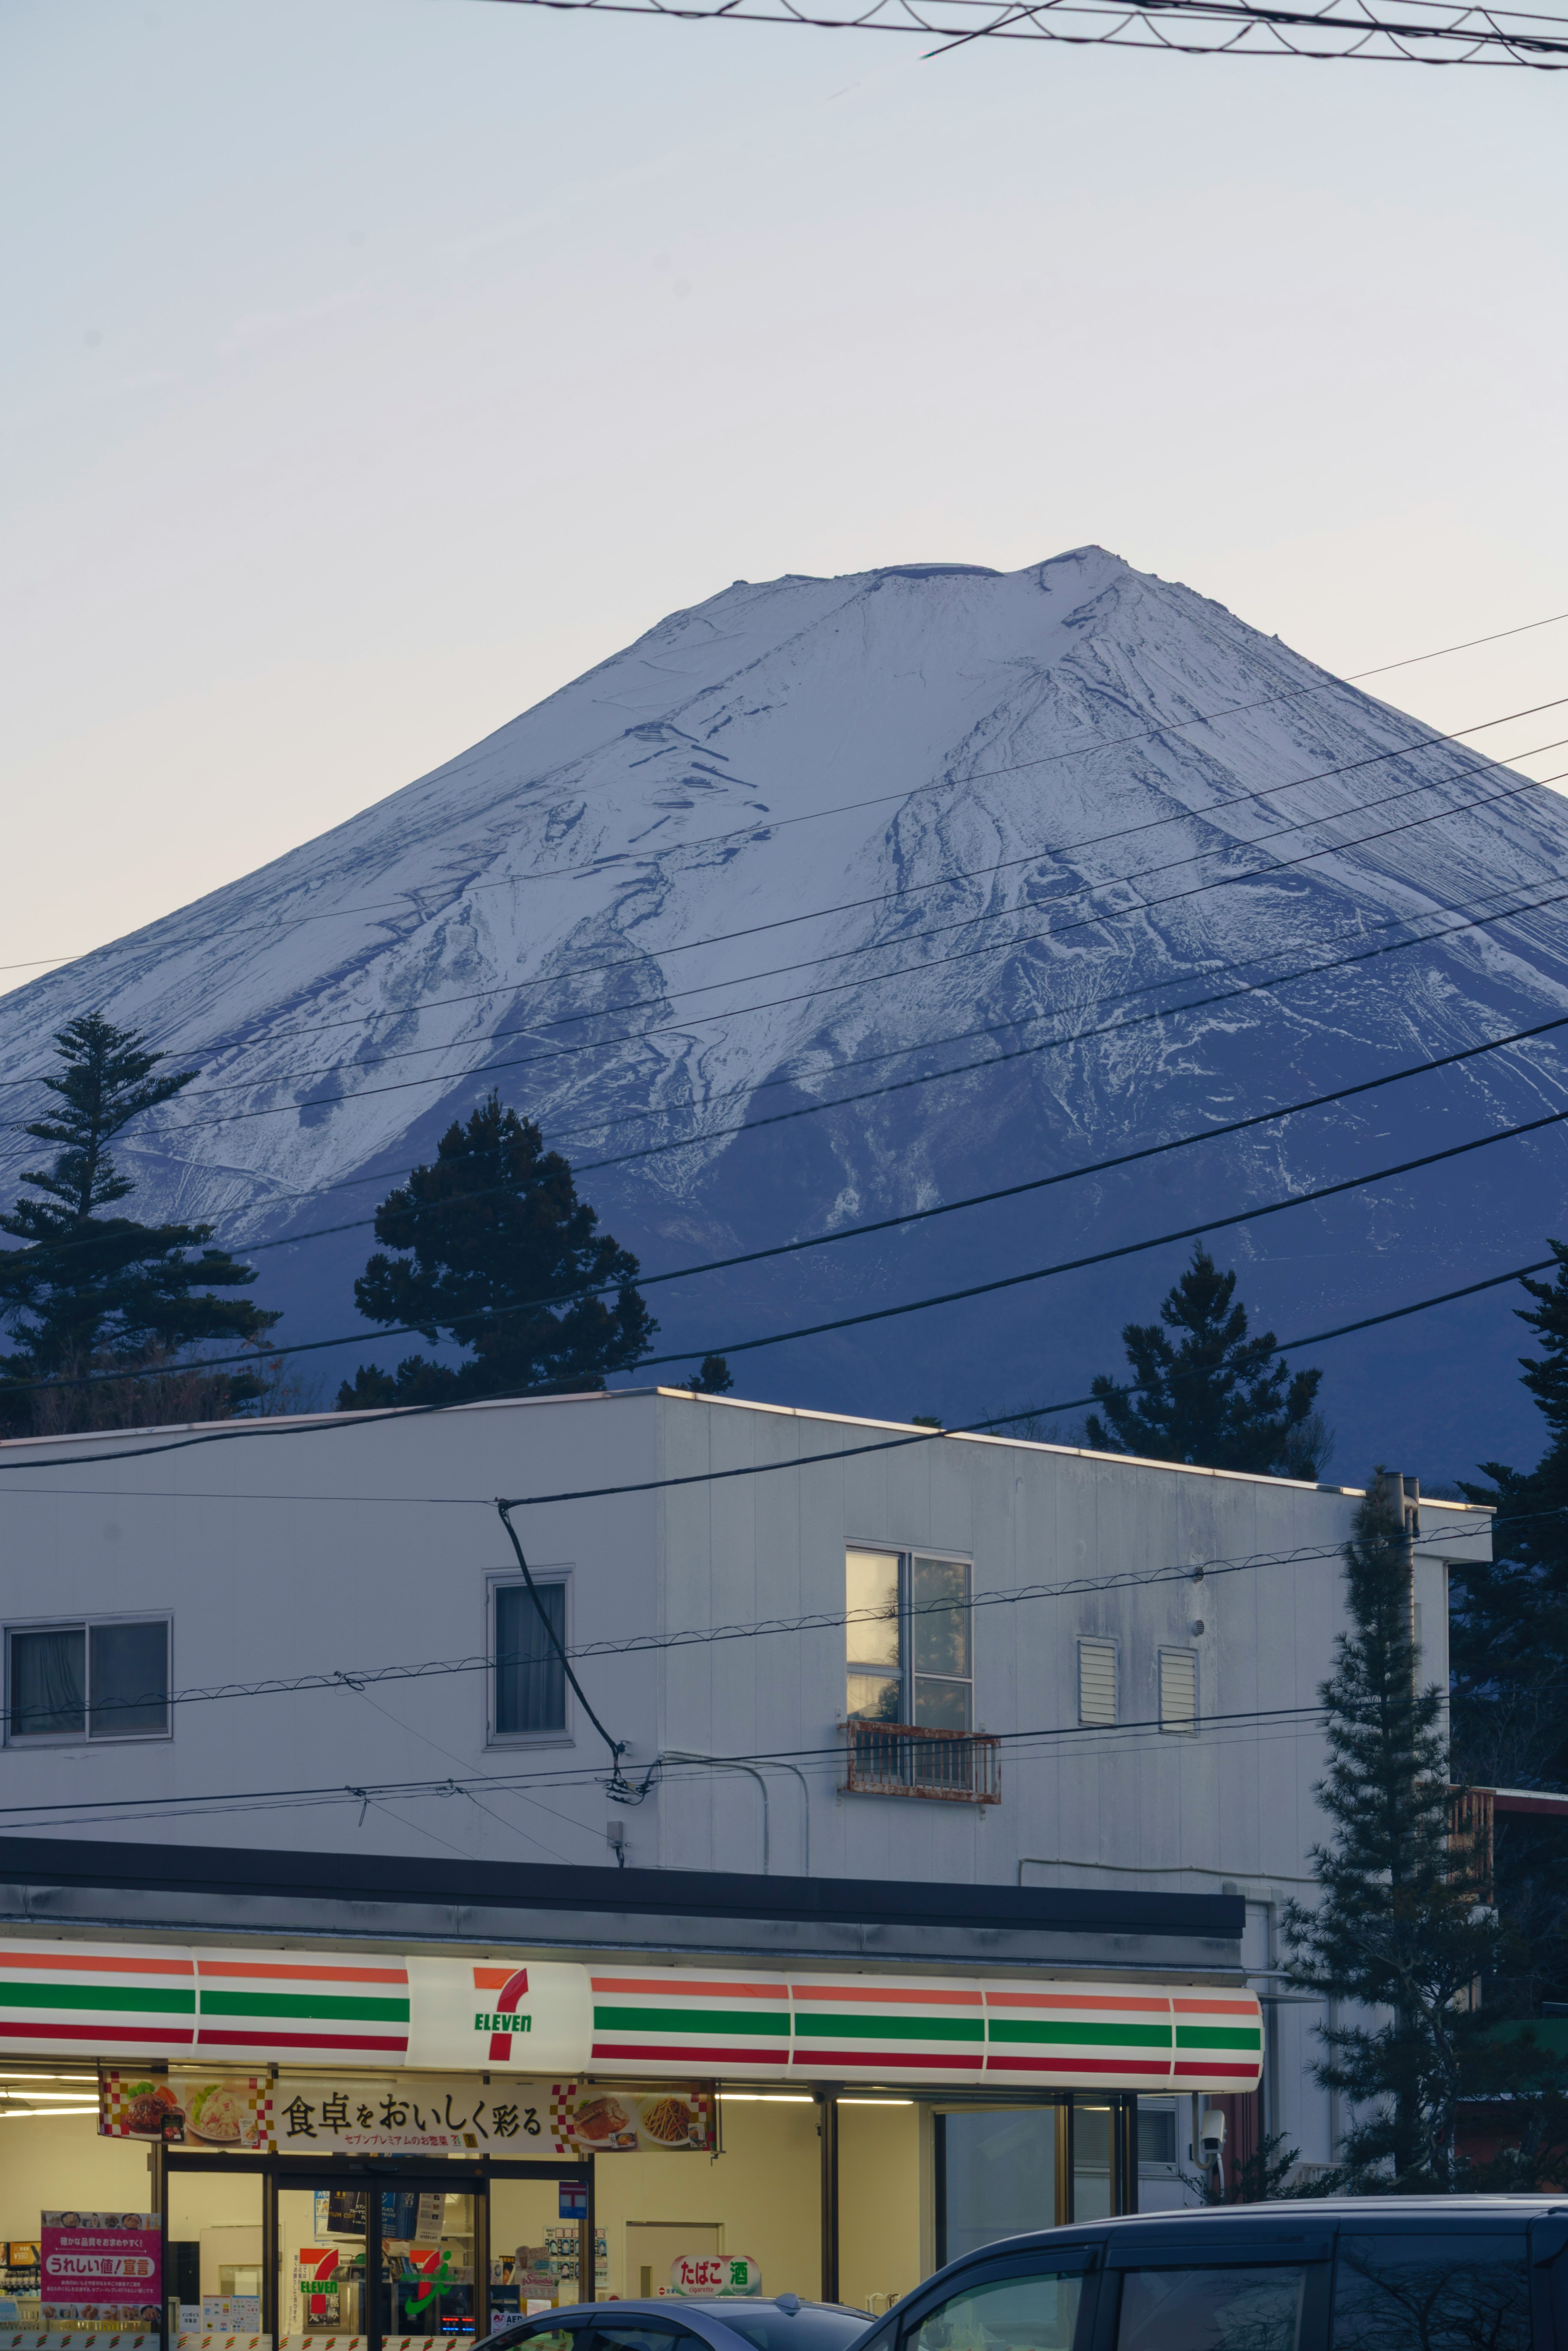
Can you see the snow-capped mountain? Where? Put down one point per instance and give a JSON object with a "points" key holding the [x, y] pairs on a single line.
{"points": [[818, 839]]}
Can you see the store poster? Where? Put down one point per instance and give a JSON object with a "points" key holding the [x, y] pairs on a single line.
{"points": [[231, 2111], [101, 2265], [431, 2115]]}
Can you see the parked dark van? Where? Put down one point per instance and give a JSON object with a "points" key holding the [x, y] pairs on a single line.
{"points": [[1364, 2274]]}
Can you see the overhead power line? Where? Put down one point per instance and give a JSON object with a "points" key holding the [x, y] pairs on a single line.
{"points": [[486, 1072], [1429, 33], [944, 879], [1324, 685], [900, 1085], [911, 1217], [359, 1678], [338, 1424], [1226, 844]]}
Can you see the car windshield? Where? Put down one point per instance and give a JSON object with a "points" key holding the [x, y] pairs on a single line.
{"points": [[766, 2327]]}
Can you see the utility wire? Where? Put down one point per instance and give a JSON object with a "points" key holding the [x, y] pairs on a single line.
{"points": [[1446, 32], [900, 1085], [1168, 725], [360, 1679], [336, 1423], [665, 998], [895, 1223], [943, 881], [962, 955]]}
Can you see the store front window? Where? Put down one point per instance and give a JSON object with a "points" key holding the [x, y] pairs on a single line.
{"points": [[1000, 2170]]}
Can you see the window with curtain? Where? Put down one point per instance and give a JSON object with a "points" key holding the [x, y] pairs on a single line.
{"points": [[100, 1678], [530, 1680], [909, 1640]]}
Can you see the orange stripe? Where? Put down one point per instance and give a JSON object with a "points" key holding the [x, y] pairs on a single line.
{"points": [[838, 1993], [681, 1987], [91, 1963], [1217, 2007], [1093, 2000], [274, 1969]]}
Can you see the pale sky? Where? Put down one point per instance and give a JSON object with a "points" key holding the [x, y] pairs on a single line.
{"points": [[372, 366]]}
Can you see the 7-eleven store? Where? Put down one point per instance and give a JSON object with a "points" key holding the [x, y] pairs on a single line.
{"points": [[353, 2128]]}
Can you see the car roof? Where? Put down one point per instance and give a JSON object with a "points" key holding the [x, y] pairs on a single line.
{"points": [[1298, 2211]]}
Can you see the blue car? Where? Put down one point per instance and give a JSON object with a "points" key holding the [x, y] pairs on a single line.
{"points": [[1363, 2273]]}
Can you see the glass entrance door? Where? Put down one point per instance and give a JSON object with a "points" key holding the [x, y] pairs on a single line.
{"points": [[392, 2261]]}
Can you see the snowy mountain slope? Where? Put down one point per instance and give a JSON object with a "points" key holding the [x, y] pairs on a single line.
{"points": [[791, 845]]}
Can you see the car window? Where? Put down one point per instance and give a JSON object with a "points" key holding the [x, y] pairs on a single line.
{"points": [[1458, 2291], [1230, 2309], [539, 2334], [641, 2334], [1016, 2314], [768, 2329]]}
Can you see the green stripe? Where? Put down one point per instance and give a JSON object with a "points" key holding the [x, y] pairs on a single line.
{"points": [[105, 1997], [287, 2003], [692, 2020], [1218, 2036], [1095, 2036], [896, 2027]]}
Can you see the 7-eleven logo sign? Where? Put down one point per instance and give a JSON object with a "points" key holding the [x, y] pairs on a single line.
{"points": [[506, 2017]]}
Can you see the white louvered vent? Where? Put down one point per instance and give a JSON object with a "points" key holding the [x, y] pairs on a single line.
{"points": [[1096, 1681], [1179, 1689]]}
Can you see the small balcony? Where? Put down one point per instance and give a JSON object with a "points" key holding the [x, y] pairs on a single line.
{"points": [[900, 1759]]}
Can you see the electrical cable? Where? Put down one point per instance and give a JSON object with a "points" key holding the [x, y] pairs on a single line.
{"points": [[616, 1746], [1168, 725], [337, 1423], [252, 1356], [1448, 33], [1180, 814], [486, 1072], [899, 1085], [1227, 846], [360, 1679]]}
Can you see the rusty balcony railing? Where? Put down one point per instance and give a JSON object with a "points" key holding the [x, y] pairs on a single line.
{"points": [[900, 1759]]}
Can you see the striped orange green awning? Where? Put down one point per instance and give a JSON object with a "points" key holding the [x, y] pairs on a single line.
{"points": [[91, 2000], [720, 2024], [256, 2004]]}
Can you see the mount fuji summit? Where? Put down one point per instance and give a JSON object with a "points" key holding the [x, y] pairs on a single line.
{"points": [[831, 901]]}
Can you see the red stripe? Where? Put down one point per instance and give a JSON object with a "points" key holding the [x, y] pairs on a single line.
{"points": [[881, 2061], [1230, 2073], [266, 2038], [103, 2035], [1081, 2065], [666, 2054]]}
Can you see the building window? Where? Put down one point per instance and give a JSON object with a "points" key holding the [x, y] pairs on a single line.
{"points": [[530, 1680], [1096, 1681], [1179, 1689], [908, 1640], [95, 1679]]}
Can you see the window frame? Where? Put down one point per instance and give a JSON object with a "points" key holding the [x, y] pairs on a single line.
{"points": [[908, 1673], [503, 1580], [86, 1626]]}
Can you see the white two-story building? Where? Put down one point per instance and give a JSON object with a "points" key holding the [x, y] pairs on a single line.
{"points": [[853, 1844]]}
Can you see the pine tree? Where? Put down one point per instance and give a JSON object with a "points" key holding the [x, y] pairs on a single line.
{"points": [[713, 1379], [489, 1226], [1509, 1650], [89, 1293], [1203, 1391], [1400, 1928]]}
